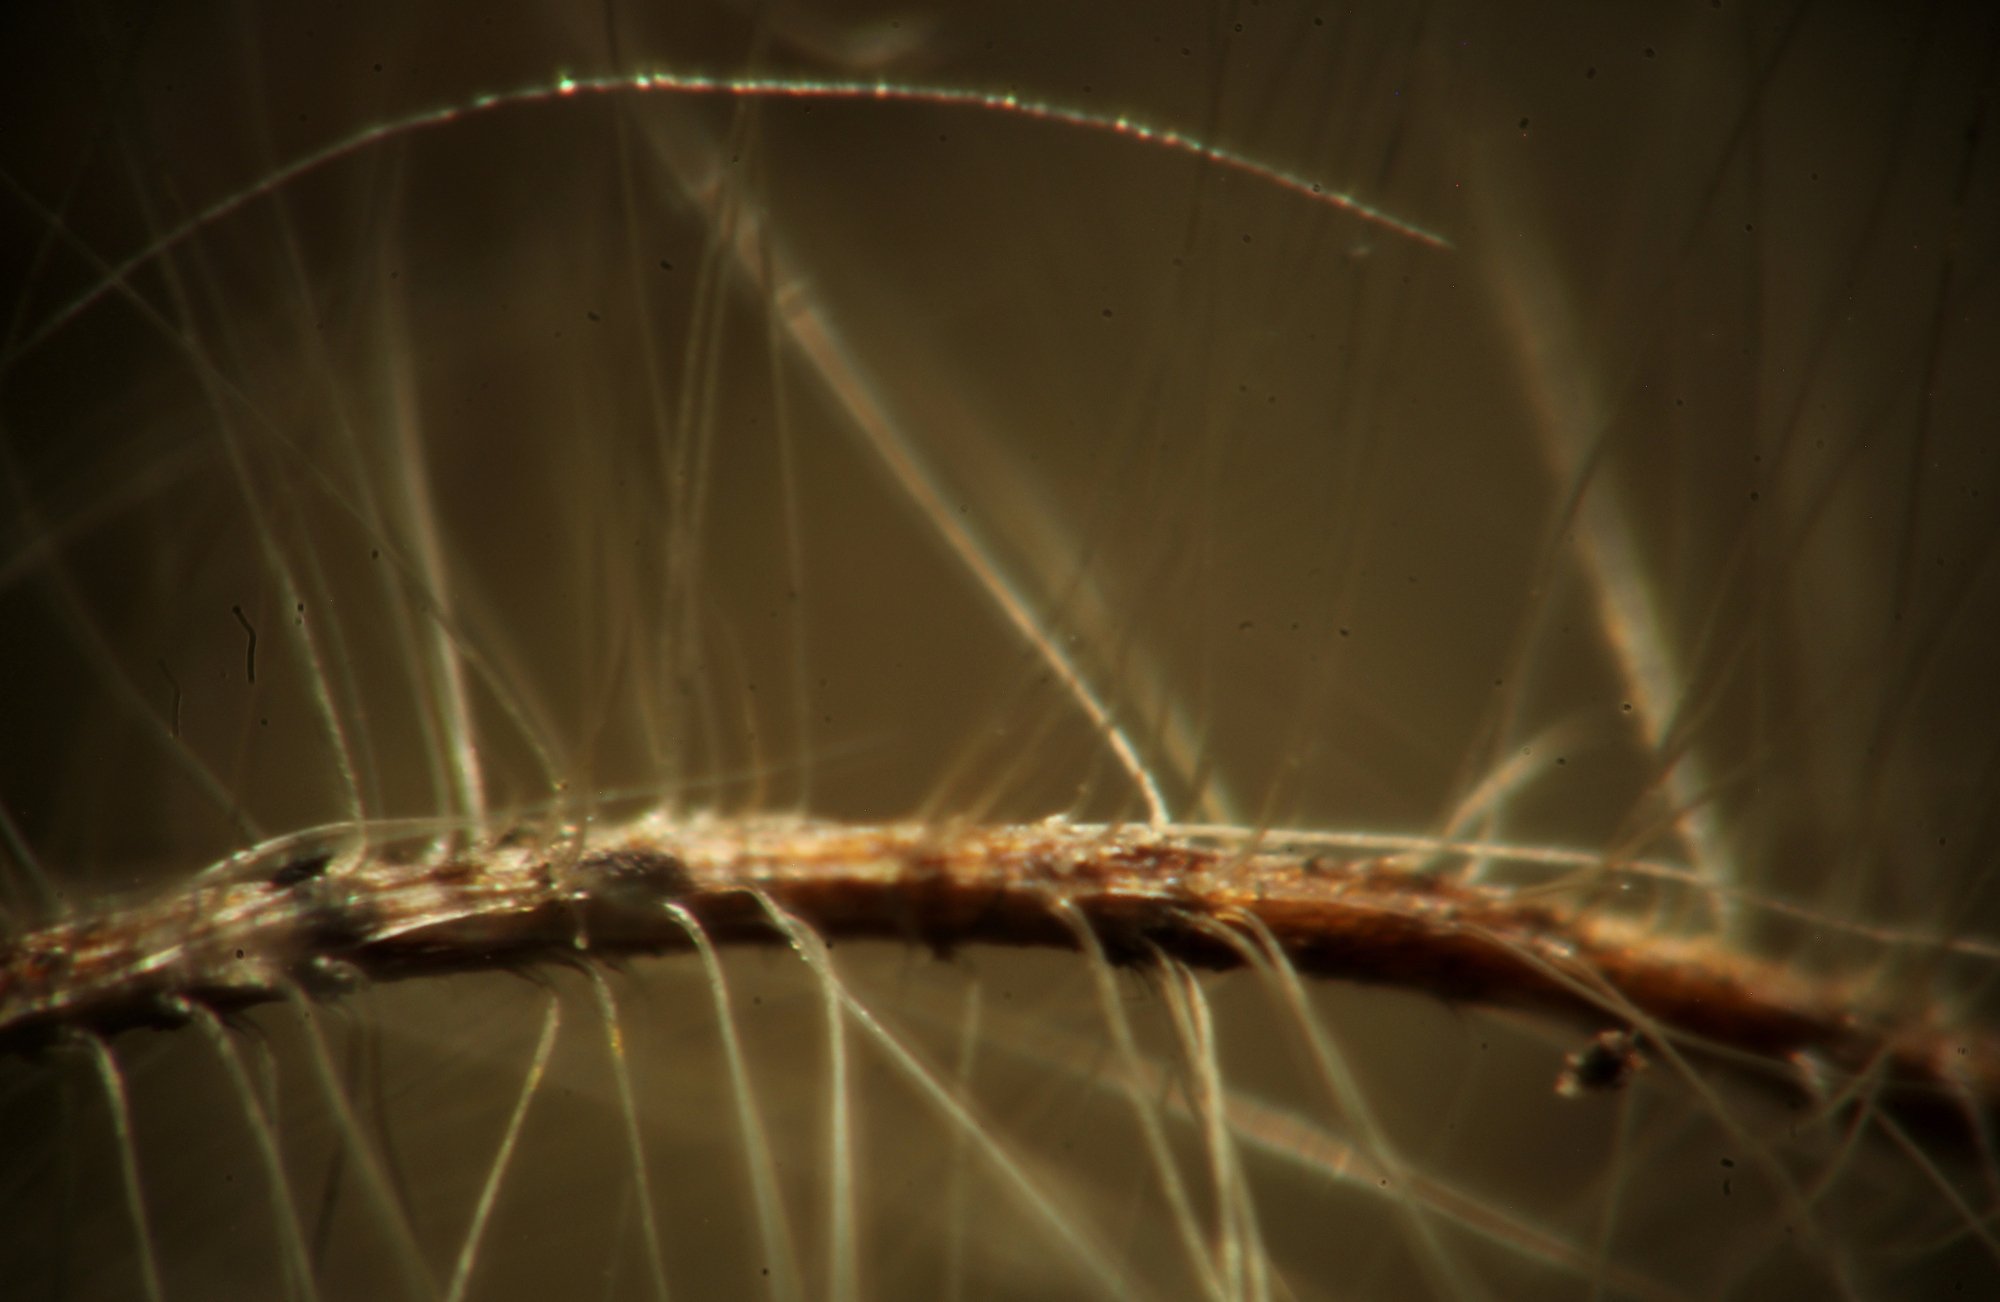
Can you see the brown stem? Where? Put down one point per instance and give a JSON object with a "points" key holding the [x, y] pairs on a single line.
{"points": [[275, 920]]}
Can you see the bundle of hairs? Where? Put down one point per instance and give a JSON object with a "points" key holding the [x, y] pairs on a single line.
{"points": [[1223, 652]]}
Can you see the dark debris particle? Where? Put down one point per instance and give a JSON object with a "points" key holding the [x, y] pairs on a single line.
{"points": [[328, 978], [302, 869], [647, 876], [340, 923], [1608, 1062]]}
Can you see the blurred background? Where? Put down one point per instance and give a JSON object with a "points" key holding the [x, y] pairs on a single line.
{"points": [[546, 458]]}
